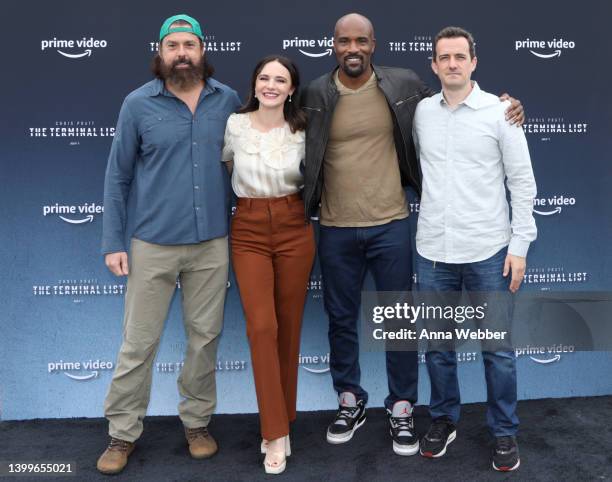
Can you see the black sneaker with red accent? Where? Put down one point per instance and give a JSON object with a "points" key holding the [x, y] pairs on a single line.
{"points": [[506, 454], [401, 427], [441, 433], [350, 416]]}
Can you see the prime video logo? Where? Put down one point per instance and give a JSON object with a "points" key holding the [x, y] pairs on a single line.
{"points": [[86, 370], [85, 44], [536, 46], [83, 212], [544, 355], [321, 363], [552, 205], [322, 47]]}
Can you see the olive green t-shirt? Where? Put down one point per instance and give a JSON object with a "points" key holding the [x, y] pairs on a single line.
{"points": [[362, 184]]}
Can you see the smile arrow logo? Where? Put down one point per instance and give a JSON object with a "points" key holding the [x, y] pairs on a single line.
{"points": [[546, 361], [93, 374], [315, 370], [548, 213], [87, 53], [557, 53], [322, 54], [87, 219]]}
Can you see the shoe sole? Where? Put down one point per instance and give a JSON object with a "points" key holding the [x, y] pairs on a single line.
{"points": [[202, 457], [507, 469], [335, 440], [451, 438], [275, 470], [405, 450], [111, 472], [117, 471]]}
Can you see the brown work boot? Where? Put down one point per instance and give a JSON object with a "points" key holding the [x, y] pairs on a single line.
{"points": [[115, 457], [201, 443]]}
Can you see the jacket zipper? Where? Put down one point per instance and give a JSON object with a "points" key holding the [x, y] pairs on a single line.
{"points": [[325, 139], [411, 178], [400, 102]]}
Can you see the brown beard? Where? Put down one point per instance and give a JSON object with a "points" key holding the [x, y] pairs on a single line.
{"points": [[182, 78]]}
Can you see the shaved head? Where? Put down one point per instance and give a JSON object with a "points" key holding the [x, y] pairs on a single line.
{"points": [[354, 44], [353, 20]]}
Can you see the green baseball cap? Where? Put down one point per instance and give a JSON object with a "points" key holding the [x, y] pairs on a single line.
{"points": [[194, 27]]}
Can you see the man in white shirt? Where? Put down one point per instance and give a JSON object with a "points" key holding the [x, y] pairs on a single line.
{"points": [[464, 235]]}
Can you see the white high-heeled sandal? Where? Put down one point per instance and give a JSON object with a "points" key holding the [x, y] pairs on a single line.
{"points": [[264, 446], [272, 469]]}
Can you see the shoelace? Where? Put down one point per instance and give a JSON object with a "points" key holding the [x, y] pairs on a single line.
{"points": [[436, 432], [118, 445], [503, 445], [193, 433], [345, 414], [402, 424]]}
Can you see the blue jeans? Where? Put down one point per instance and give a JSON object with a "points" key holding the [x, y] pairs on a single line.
{"points": [[344, 255], [500, 366]]}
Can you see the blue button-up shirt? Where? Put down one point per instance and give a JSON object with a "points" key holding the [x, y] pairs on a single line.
{"points": [[164, 181]]}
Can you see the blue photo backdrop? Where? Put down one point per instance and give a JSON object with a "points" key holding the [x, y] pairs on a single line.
{"points": [[67, 67]]}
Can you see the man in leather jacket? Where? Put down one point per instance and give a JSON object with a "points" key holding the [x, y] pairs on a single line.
{"points": [[359, 158]]}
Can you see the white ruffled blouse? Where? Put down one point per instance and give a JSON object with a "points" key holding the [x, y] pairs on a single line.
{"points": [[266, 164]]}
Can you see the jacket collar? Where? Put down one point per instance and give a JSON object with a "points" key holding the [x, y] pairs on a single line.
{"points": [[332, 84]]}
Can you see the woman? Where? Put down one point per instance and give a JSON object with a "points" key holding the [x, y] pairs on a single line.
{"points": [[272, 244]]}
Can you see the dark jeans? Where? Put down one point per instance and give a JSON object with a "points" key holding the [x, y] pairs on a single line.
{"points": [[500, 366], [345, 254]]}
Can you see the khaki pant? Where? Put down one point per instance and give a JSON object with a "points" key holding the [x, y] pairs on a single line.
{"points": [[202, 269], [272, 253]]}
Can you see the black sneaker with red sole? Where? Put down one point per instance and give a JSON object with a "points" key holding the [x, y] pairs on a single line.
{"points": [[506, 454], [441, 433]]}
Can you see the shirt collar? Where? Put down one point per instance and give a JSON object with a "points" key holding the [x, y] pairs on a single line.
{"points": [[475, 99], [343, 89], [159, 88]]}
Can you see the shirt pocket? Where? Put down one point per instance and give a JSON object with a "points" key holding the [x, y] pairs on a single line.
{"points": [[162, 132]]}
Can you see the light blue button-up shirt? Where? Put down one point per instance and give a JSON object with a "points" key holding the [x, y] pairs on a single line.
{"points": [[466, 153], [164, 181]]}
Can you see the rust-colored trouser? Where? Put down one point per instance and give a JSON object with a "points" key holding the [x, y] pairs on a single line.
{"points": [[272, 254]]}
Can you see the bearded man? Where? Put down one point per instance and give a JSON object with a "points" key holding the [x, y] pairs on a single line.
{"points": [[166, 198]]}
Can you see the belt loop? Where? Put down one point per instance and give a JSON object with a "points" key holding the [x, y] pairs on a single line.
{"points": [[249, 200]]}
